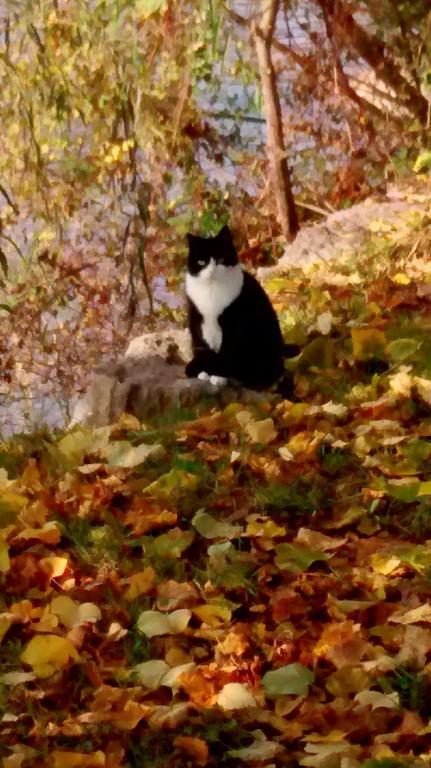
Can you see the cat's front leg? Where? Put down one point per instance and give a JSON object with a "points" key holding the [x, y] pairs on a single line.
{"points": [[207, 366], [203, 362]]}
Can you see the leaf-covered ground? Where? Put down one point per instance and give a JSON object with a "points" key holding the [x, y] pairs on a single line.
{"points": [[249, 586]]}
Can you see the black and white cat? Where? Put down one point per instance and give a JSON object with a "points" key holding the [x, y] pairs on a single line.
{"points": [[234, 328]]}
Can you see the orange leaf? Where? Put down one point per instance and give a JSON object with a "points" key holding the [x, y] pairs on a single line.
{"points": [[77, 759], [144, 516], [342, 644], [196, 748], [49, 533], [201, 689], [140, 583]]}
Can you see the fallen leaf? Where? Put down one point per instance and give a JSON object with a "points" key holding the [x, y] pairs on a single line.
{"points": [[262, 749], [292, 678], [414, 616], [262, 432], [73, 614], [48, 653], [210, 528], [77, 759], [367, 343], [378, 700], [193, 746], [296, 558], [56, 565], [121, 453], [318, 541], [151, 673], [140, 583], [4, 556], [155, 623], [49, 533], [235, 696]]}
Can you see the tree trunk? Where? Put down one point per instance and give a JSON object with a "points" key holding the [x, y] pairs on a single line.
{"points": [[263, 34]]}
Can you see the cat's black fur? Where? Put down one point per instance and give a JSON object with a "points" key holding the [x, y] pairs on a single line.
{"points": [[252, 347]]}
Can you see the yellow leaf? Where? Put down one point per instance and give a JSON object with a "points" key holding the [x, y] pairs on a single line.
{"points": [[4, 556], [73, 614], [171, 483], [367, 342], [213, 615], [425, 488], [327, 738], [77, 759], [423, 387], [10, 505], [4, 626], [57, 565], [401, 279], [48, 653], [385, 563], [261, 431], [304, 442], [264, 527], [414, 616], [347, 680], [140, 583]]}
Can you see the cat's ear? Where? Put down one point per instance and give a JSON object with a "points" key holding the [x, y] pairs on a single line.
{"points": [[225, 234]]}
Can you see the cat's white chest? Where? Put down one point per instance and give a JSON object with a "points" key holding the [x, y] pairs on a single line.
{"points": [[211, 295]]}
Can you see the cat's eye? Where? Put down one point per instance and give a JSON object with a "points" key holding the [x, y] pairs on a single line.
{"points": [[201, 263]]}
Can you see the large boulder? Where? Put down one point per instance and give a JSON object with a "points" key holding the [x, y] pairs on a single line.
{"points": [[345, 231], [149, 379]]}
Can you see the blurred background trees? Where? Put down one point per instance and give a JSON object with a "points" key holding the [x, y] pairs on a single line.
{"points": [[125, 123]]}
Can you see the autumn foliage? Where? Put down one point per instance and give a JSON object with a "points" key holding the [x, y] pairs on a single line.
{"points": [[247, 585]]}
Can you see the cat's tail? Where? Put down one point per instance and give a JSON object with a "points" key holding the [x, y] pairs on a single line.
{"points": [[291, 350], [286, 384]]}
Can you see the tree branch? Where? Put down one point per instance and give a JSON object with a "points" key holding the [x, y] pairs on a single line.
{"points": [[376, 54]]}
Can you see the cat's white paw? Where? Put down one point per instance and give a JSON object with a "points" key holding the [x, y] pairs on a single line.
{"points": [[204, 376], [218, 381]]}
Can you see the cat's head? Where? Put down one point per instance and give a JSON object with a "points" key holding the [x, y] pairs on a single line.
{"points": [[209, 256]]}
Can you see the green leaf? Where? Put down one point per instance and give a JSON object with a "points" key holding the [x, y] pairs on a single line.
{"points": [[401, 349], [293, 678], [120, 453], [406, 493], [210, 528], [168, 545], [81, 442], [296, 559]]}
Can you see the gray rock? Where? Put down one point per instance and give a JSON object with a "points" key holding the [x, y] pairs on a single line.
{"points": [[341, 232], [143, 383]]}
